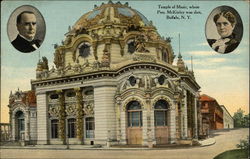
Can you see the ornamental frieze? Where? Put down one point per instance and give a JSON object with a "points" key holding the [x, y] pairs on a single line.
{"points": [[143, 57]]}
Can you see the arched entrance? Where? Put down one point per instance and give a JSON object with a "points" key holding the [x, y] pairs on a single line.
{"points": [[20, 125], [134, 120], [161, 121]]}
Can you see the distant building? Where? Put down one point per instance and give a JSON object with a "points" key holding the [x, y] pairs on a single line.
{"points": [[22, 107], [211, 115], [228, 120], [4, 132]]}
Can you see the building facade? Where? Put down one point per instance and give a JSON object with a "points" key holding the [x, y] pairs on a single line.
{"points": [[22, 111], [228, 121], [211, 115], [114, 82]]}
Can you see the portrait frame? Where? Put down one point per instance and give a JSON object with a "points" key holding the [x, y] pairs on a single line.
{"points": [[211, 30], [41, 25]]}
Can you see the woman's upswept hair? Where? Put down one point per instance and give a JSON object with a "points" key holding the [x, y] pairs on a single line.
{"points": [[228, 15]]}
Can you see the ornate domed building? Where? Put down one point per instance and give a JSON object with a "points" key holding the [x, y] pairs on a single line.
{"points": [[114, 82]]}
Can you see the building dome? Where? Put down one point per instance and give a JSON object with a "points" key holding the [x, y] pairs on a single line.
{"points": [[110, 37], [117, 14]]}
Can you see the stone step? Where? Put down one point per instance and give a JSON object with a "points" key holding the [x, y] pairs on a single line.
{"points": [[10, 143]]}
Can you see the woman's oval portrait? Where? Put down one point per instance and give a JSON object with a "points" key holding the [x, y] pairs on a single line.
{"points": [[224, 29], [26, 29]]}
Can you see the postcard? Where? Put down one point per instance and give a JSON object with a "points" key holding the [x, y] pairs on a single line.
{"points": [[134, 79]]}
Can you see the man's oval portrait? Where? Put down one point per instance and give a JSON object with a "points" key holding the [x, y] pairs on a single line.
{"points": [[224, 29], [26, 29]]}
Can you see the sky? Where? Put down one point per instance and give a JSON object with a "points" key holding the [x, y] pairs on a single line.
{"points": [[224, 77]]}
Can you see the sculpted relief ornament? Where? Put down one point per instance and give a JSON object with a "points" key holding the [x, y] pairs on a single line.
{"points": [[42, 68], [140, 41], [71, 109], [58, 58], [89, 108], [54, 110]]}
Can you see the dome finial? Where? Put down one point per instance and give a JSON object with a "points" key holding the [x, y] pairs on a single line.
{"points": [[110, 2]]}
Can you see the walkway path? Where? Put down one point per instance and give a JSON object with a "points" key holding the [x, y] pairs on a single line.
{"points": [[225, 140]]}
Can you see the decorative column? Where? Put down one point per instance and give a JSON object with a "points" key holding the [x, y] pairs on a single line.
{"points": [[147, 129], [118, 118], [177, 102], [177, 120], [62, 116], [173, 122], [79, 116], [193, 114], [195, 118], [12, 131], [190, 114], [185, 129]]}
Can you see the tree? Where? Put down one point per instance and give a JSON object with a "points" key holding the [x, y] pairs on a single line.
{"points": [[244, 144], [246, 121], [240, 120]]}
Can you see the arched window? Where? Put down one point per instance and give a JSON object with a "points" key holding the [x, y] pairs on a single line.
{"points": [[131, 47], [54, 128], [164, 55], [134, 114], [84, 50], [71, 128], [90, 127], [20, 119], [161, 109]]}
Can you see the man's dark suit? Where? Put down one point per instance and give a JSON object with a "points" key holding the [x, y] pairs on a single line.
{"points": [[25, 46]]}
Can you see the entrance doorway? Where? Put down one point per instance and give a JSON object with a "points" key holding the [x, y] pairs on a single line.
{"points": [[134, 129], [161, 122], [20, 125]]}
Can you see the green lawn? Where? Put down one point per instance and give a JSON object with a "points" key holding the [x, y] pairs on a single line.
{"points": [[233, 154]]}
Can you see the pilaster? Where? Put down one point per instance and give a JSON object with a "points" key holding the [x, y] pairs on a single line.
{"points": [[118, 120], [105, 117], [123, 127], [173, 123], [42, 118], [27, 125], [145, 119]]}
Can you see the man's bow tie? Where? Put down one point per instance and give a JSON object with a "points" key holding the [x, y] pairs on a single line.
{"points": [[33, 42]]}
